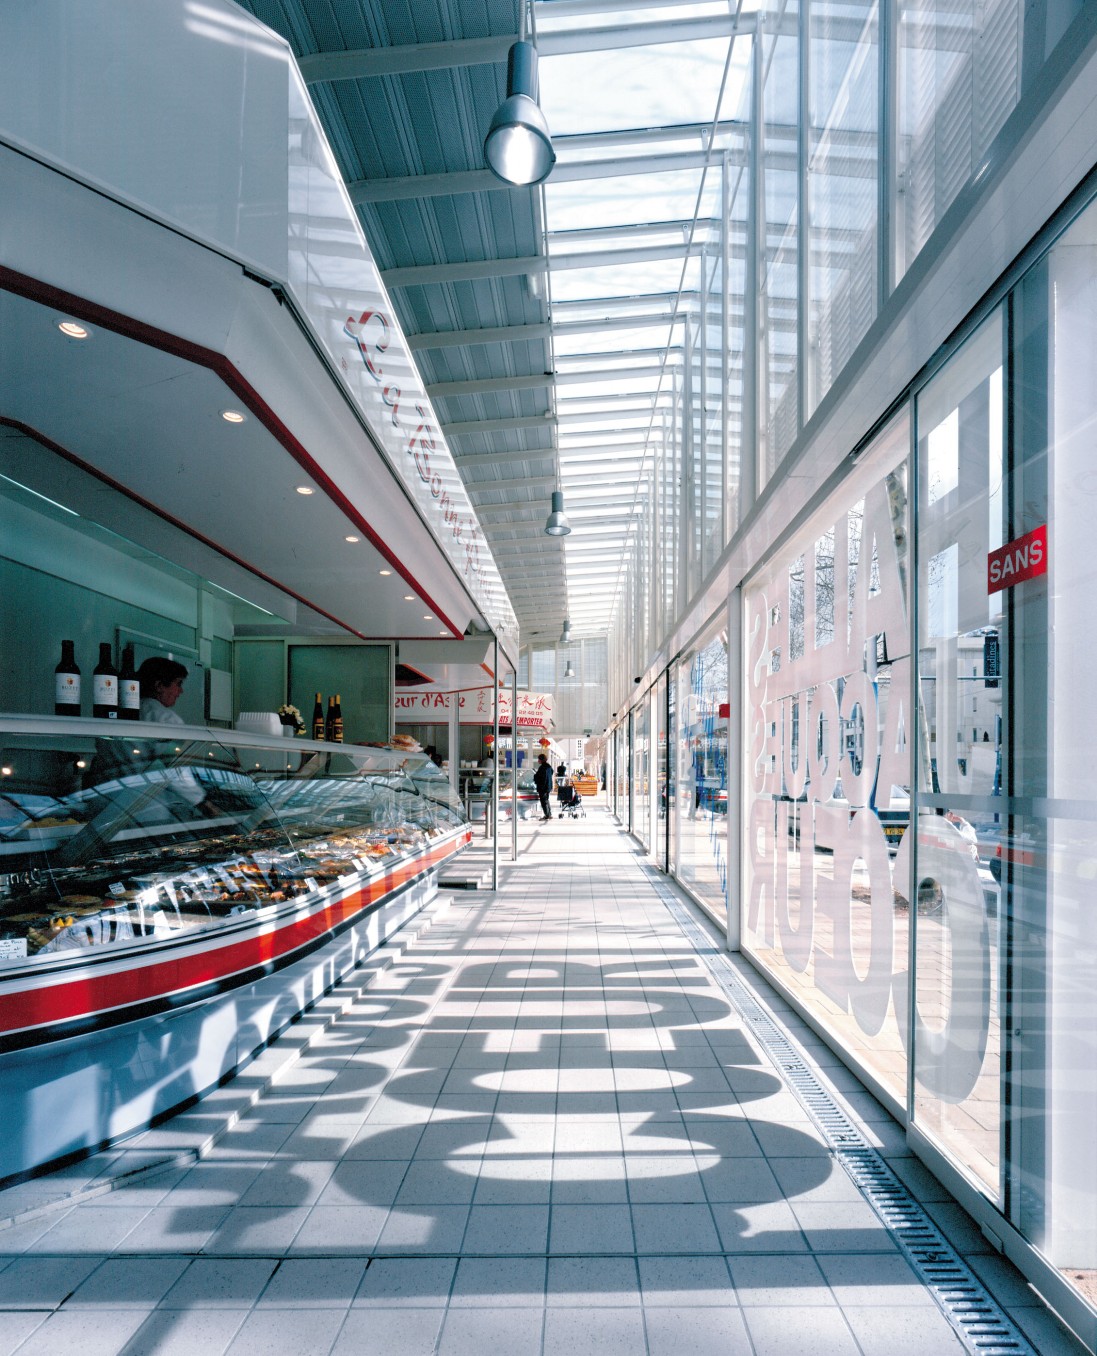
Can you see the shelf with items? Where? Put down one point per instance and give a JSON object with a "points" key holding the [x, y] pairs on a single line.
{"points": [[149, 848]]}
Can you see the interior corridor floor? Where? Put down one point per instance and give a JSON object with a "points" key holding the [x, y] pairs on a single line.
{"points": [[541, 1127]]}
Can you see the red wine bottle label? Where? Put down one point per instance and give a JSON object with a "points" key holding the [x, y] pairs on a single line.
{"points": [[104, 689], [131, 694], [66, 689]]}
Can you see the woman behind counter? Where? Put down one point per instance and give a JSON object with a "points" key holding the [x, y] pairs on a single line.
{"points": [[161, 687]]}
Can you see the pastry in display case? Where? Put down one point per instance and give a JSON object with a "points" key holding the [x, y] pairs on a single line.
{"points": [[149, 867]]}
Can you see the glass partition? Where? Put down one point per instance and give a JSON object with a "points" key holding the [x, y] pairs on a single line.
{"points": [[826, 799], [126, 836], [701, 746]]}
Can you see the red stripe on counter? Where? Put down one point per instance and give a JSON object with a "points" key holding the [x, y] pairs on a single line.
{"points": [[85, 994]]}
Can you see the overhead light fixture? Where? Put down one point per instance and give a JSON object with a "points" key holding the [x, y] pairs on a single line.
{"points": [[352, 539], [71, 329], [556, 524], [305, 489], [565, 634], [569, 672], [385, 573], [518, 147], [233, 416]]}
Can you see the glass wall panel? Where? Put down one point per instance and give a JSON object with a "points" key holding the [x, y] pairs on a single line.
{"points": [[782, 179], [959, 78], [641, 771], [958, 958], [827, 763], [1006, 1030], [701, 800], [843, 139], [659, 804]]}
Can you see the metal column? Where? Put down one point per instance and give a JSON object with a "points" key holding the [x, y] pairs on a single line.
{"points": [[514, 765], [494, 800]]}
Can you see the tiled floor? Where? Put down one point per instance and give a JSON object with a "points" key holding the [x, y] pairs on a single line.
{"points": [[541, 1130]]}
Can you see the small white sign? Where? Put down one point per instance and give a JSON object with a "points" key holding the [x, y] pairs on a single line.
{"points": [[13, 948]]}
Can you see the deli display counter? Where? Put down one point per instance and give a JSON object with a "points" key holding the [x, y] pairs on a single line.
{"points": [[171, 897], [143, 863]]}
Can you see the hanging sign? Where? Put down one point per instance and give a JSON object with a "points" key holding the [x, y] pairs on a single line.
{"points": [[534, 708], [1023, 558]]}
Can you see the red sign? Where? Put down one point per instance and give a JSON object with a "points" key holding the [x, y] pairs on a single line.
{"points": [[1023, 558]]}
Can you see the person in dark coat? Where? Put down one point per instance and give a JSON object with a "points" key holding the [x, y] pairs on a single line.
{"points": [[542, 780]]}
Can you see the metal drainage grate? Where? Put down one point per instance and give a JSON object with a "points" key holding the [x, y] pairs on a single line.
{"points": [[974, 1314]]}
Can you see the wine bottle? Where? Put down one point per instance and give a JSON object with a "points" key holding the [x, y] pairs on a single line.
{"points": [[129, 689], [66, 685], [104, 685], [329, 724], [318, 717], [337, 723]]}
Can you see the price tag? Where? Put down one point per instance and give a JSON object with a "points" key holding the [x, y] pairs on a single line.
{"points": [[312, 883], [13, 948], [117, 888]]}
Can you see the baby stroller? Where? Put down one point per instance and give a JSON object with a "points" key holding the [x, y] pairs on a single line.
{"points": [[570, 802]]}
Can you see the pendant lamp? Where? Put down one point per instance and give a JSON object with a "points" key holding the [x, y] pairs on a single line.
{"points": [[569, 672], [556, 524], [518, 147]]}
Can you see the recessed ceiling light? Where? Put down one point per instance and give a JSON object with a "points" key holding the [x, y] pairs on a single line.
{"points": [[427, 616], [73, 330], [352, 539], [233, 416], [386, 573], [409, 597], [305, 489], [443, 633]]}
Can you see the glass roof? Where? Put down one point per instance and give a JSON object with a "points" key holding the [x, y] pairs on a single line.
{"points": [[644, 122]]}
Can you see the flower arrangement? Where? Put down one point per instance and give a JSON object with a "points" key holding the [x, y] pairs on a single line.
{"points": [[289, 715], [489, 740]]}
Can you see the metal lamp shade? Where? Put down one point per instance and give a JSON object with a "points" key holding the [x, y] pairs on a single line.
{"points": [[556, 524], [518, 147]]}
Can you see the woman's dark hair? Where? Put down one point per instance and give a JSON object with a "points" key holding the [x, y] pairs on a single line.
{"points": [[158, 672]]}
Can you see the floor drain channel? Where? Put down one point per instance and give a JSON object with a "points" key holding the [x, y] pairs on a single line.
{"points": [[969, 1307]]}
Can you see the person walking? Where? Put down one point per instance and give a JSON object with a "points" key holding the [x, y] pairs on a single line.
{"points": [[542, 780]]}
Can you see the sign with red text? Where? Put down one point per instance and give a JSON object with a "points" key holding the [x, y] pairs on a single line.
{"points": [[1023, 558], [535, 709]]}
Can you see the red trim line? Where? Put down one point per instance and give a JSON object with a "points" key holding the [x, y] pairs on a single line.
{"points": [[94, 313], [88, 994]]}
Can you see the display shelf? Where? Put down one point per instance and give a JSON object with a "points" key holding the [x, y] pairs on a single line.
{"points": [[143, 865]]}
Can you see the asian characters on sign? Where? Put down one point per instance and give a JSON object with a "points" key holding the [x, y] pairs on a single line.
{"points": [[829, 726]]}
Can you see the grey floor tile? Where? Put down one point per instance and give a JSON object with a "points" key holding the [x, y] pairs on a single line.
{"points": [[438, 1182], [89, 1229], [592, 1282], [250, 1229], [274, 1332], [842, 1226], [779, 1281], [663, 1179], [1045, 1332], [314, 1283], [42, 1282], [518, 1181], [128, 1283], [407, 1282], [175, 1229], [220, 1283], [768, 1226], [177, 1332], [389, 1332], [792, 1328], [506, 1229], [868, 1279], [907, 1331], [594, 1332], [686, 1282], [701, 1332], [590, 1229], [289, 1182], [102, 1332], [472, 1332], [333, 1229], [674, 1229], [424, 1229], [15, 1328], [364, 1182], [385, 1142], [499, 1280]]}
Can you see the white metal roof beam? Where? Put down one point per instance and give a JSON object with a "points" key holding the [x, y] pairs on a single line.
{"points": [[496, 334], [426, 275], [440, 389], [462, 428], [365, 62]]}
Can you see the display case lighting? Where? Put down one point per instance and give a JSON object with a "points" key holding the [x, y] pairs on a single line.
{"points": [[71, 329]]}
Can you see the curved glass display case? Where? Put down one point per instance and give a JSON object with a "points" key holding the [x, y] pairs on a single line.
{"points": [[146, 864]]}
